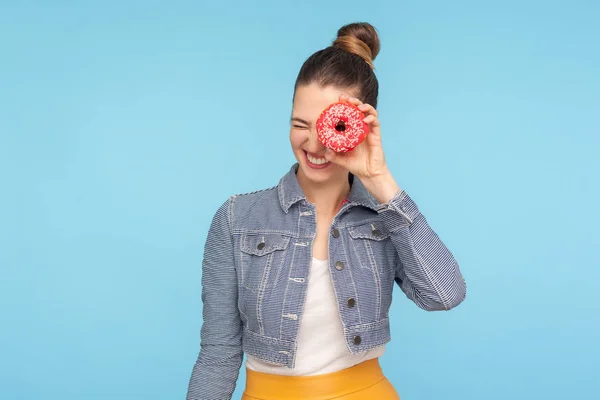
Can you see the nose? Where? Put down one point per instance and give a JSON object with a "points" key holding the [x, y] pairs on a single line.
{"points": [[314, 144]]}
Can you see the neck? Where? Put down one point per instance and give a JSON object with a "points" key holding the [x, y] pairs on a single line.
{"points": [[327, 196]]}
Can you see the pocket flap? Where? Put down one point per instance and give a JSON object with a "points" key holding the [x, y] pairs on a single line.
{"points": [[374, 230], [260, 244]]}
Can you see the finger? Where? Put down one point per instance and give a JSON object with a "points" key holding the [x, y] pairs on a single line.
{"points": [[343, 98], [371, 120], [355, 101], [368, 109]]}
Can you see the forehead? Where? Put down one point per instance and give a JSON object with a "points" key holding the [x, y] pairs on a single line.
{"points": [[311, 100]]}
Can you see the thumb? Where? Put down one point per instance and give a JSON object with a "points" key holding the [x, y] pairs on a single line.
{"points": [[336, 158]]}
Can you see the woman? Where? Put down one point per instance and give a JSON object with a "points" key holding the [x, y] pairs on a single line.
{"points": [[299, 277]]}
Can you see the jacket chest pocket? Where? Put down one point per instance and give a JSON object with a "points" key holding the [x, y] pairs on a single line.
{"points": [[262, 258], [372, 245]]}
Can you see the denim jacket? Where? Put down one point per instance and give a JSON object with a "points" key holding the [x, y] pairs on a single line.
{"points": [[256, 263]]}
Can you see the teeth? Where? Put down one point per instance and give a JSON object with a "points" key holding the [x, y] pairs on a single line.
{"points": [[317, 161]]}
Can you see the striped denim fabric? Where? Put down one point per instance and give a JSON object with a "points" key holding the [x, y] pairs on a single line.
{"points": [[255, 270]]}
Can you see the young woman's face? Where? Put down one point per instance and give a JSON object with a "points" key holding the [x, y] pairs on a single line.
{"points": [[309, 102]]}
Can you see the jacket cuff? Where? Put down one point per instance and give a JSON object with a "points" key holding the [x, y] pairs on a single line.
{"points": [[399, 212]]}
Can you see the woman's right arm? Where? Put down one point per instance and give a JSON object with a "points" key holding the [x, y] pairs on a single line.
{"points": [[216, 371]]}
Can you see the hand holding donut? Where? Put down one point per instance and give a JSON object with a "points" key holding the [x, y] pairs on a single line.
{"points": [[367, 161], [357, 146]]}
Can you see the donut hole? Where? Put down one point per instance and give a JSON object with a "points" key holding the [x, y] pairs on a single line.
{"points": [[340, 126]]}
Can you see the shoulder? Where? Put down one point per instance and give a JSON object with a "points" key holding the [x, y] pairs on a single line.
{"points": [[263, 198], [258, 203]]}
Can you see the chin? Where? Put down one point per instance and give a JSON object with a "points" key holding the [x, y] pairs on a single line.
{"points": [[315, 176], [320, 173]]}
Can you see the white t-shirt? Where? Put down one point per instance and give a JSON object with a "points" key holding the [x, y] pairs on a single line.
{"points": [[321, 345]]}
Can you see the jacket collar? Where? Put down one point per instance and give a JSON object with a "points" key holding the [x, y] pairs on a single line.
{"points": [[290, 192]]}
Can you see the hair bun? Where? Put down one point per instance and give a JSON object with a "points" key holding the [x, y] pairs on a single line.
{"points": [[359, 38]]}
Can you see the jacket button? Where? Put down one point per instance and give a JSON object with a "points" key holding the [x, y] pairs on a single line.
{"points": [[339, 265], [357, 340], [261, 245], [351, 302], [336, 233]]}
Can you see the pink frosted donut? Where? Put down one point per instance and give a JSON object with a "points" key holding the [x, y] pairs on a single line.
{"points": [[341, 128]]}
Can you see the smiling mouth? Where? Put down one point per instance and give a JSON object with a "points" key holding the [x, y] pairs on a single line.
{"points": [[316, 162]]}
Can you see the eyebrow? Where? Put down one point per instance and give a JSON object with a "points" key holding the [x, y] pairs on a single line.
{"points": [[296, 119]]}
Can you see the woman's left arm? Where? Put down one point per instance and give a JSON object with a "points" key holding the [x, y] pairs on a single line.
{"points": [[427, 271]]}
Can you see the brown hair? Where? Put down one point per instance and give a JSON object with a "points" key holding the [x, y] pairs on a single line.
{"points": [[347, 63]]}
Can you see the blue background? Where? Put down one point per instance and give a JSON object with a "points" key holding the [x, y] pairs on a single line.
{"points": [[123, 126]]}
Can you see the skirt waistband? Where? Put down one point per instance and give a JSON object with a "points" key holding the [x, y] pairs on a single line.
{"points": [[317, 387]]}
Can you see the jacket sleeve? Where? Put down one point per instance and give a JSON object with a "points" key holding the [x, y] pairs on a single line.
{"points": [[216, 370], [426, 270]]}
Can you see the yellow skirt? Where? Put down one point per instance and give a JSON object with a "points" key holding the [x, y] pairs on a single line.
{"points": [[364, 381]]}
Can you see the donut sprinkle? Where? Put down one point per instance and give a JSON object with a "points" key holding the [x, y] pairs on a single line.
{"points": [[341, 128]]}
